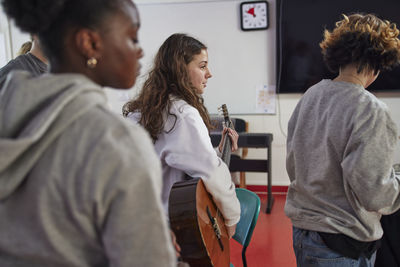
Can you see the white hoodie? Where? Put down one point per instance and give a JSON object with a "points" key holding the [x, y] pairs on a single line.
{"points": [[185, 148]]}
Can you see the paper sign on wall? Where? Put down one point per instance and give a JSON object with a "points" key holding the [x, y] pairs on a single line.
{"points": [[265, 99]]}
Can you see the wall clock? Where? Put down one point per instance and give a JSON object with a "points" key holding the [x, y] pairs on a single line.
{"points": [[254, 15]]}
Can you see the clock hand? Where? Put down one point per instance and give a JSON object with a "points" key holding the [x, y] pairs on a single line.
{"points": [[251, 11]]}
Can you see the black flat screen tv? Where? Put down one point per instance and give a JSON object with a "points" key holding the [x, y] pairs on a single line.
{"points": [[300, 27]]}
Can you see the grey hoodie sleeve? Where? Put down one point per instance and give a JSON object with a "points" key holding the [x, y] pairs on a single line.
{"points": [[367, 163]]}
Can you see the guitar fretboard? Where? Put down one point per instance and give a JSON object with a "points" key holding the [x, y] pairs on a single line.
{"points": [[227, 146]]}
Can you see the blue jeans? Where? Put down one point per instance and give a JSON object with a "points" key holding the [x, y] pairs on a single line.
{"points": [[310, 250]]}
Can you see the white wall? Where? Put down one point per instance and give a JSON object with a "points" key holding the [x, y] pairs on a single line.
{"points": [[11, 39], [264, 51], [262, 71]]}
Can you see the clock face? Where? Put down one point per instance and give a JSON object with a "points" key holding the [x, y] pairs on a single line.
{"points": [[254, 15]]}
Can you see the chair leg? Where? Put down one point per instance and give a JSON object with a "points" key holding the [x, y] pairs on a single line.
{"points": [[242, 180], [244, 256]]}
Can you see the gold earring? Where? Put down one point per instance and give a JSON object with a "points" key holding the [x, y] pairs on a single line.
{"points": [[91, 63]]}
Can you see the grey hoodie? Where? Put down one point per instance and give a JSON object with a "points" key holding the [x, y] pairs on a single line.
{"points": [[78, 187], [340, 147]]}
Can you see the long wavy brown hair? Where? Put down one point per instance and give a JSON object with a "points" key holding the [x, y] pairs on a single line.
{"points": [[169, 77]]}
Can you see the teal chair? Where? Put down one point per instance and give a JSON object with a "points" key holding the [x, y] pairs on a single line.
{"points": [[250, 208]]}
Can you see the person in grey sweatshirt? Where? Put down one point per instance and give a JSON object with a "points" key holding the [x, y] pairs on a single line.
{"points": [[340, 148], [79, 186], [33, 61]]}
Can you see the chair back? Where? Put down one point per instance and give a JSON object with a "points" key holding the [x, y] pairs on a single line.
{"points": [[250, 208], [239, 124]]}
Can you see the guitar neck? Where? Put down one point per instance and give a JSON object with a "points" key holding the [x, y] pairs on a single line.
{"points": [[227, 146], [226, 150]]}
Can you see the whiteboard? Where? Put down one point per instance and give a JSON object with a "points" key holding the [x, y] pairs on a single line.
{"points": [[239, 61]]}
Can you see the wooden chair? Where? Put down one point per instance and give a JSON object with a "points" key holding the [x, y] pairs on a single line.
{"points": [[237, 164]]}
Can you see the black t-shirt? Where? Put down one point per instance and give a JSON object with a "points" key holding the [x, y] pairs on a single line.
{"points": [[389, 253], [26, 62], [348, 246]]}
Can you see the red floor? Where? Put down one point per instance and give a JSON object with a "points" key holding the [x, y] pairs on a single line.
{"points": [[271, 244]]}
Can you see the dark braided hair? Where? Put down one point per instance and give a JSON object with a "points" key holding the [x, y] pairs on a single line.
{"points": [[51, 19]]}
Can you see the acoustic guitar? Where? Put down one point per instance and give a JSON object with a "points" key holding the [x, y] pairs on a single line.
{"points": [[194, 218]]}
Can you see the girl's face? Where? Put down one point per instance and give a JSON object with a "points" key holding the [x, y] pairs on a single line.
{"points": [[199, 72], [119, 64]]}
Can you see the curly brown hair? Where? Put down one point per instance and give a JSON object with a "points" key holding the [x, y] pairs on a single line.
{"points": [[365, 40], [169, 77]]}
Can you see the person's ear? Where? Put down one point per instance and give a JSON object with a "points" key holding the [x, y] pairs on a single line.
{"points": [[371, 77], [89, 43]]}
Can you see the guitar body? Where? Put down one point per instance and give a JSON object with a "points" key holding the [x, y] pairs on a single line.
{"points": [[194, 218], [190, 208]]}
